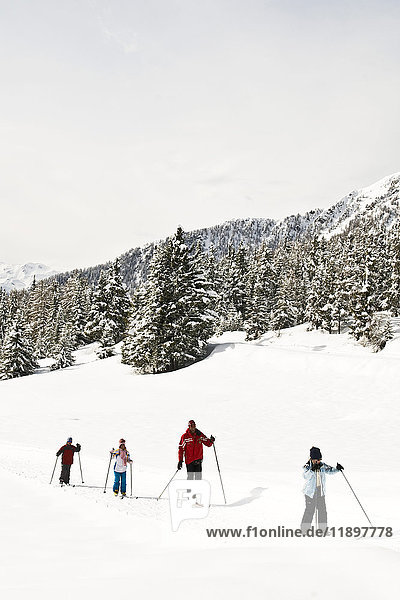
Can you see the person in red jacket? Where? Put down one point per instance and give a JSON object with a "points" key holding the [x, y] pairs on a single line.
{"points": [[191, 445], [67, 460]]}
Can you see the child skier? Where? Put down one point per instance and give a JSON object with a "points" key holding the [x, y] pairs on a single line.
{"points": [[314, 489], [67, 460], [122, 459]]}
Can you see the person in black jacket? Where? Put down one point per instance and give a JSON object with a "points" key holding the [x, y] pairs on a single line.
{"points": [[67, 460]]}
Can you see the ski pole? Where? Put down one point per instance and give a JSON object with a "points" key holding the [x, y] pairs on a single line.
{"points": [[52, 475], [219, 471], [109, 465], [355, 495], [130, 464], [167, 484], [80, 465]]}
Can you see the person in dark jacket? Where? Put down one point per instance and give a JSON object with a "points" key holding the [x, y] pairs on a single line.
{"points": [[191, 446], [67, 460], [314, 472]]}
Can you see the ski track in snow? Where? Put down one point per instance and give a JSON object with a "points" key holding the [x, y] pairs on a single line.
{"points": [[267, 403]]}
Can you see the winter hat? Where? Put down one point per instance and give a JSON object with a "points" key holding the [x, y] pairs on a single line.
{"points": [[191, 422], [315, 453], [122, 441], [69, 440]]}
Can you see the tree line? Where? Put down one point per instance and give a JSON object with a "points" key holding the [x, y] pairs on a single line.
{"points": [[349, 282]]}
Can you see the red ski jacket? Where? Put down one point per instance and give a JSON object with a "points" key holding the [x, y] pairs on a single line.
{"points": [[67, 452], [191, 445]]}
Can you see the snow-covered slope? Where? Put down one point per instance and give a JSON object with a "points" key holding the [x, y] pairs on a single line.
{"points": [[18, 277], [267, 403]]}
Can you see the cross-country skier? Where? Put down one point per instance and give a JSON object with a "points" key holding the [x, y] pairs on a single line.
{"points": [[314, 489], [191, 445], [122, 458], [67, 460]]}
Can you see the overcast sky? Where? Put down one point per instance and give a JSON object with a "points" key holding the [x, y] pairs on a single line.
{"points": [[121, 119]]}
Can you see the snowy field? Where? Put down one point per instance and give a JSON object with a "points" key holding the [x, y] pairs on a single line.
{"points": [[267, 403]]}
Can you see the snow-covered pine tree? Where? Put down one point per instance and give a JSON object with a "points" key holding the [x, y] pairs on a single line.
{"points": [[17, 356], [284, 311], [394, 258], [213, 275], [301, 281], [318, 293], [228, 317], [74, 308], [120, 305], [173, 321], [258, 313], [106, 343], [54, 319], [98, 312], [110, 307], [63, 354], [37, 316], [362, 309], [380, 331], [262, 294], [239, 289], [4, 310]]}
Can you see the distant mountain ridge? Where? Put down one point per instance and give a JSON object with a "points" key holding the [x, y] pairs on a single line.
{"points": [[19, 277], [380, 200]]}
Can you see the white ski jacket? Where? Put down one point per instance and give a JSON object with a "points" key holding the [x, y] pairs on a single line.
{"points": [[311, 478]]}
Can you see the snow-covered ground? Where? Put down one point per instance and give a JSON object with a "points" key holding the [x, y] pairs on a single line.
{"points": [[267, 403]]}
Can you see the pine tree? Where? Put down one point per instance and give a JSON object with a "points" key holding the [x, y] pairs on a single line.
{"points": [[63, 354], [74, 308], [4, 309], [120, 304], [394, 258], [173, 321], [380, 331], [17, 356], [283, 312], [106, 344], [110, 307], [261, 295], [239, 291], [362, 309]]}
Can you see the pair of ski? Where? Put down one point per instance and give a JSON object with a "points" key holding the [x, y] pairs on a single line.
{"points": [[101, 487]]}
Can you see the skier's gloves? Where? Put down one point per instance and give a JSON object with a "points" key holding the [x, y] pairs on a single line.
{"points": [[180, 465], [212, 438], [78, 447], [339, 467]]}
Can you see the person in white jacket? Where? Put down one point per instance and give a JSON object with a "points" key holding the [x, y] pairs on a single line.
{"points": [[122, 458], [314, 472]]}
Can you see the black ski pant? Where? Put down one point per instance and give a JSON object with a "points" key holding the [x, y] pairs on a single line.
{"points": [[194, 470], [317, 502], [65, 472]]}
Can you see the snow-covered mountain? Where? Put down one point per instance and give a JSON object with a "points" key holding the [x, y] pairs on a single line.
{"points": [[18, 277], [380, 201]]}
